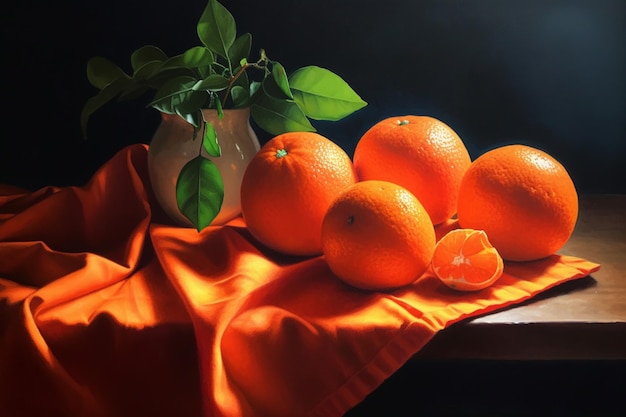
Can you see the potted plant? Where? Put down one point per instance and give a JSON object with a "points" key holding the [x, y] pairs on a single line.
{"points": [[206, 96]]}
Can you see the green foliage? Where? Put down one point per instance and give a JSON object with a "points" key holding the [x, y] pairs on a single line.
{"points": [[209, 141], [215, 75], [200, 191], [218, 74], [323, 95]]}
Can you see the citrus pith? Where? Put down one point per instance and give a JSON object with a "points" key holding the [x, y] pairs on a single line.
{"points": [[465, 260]]}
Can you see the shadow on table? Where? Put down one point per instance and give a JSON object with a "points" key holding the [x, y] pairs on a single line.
{"points": [[443, 388]]}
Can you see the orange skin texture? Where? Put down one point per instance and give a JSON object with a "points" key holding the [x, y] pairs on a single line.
{"points": [[377, 236], [524, 200], [422, 154], [287, 188], [465, 260]]}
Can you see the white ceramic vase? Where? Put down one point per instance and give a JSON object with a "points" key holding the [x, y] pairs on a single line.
{"points": [[172, 146]]}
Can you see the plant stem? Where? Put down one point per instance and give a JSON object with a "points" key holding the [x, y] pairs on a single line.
{"points": [[232, 81], [260, 64], [202, 138]]}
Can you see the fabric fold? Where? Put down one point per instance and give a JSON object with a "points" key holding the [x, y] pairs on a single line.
{"points": [[108, 309]]}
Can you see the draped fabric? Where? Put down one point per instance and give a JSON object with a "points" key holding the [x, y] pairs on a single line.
{"points": [[107, 309]]}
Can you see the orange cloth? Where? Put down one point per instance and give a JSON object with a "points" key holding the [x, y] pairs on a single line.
{"points": [[108, 310]]}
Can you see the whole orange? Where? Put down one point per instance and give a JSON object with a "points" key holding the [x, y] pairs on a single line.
{"points": [[288, 187], [422, 154], [523, 198], [377, 235]]}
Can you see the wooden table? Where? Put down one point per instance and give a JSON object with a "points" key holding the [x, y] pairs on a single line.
{"points": [[561, 353], [583, 319]]}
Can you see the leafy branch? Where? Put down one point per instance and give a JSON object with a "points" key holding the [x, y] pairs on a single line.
{"points": [[218, 74], [260, 64]]}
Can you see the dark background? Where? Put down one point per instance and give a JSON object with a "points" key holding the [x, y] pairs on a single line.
{"points": [[550, 74]]}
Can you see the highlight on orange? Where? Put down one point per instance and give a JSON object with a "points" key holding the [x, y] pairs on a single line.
{"points": [[420, 153], [523, 198], [465, 260], [288, 187], [377, 236]]}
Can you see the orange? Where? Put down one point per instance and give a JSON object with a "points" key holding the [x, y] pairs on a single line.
{"points": [[523, 198], [422, 154], [377, 235], [288, 187], [465, 260]]}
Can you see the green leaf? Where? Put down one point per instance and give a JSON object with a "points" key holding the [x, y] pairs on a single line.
{"points": [[173, 93], [213, 82], [280, 78], [133, 91], [220, 110], [191, 103], [102, 72], [104, 96], [272, 89], [146, 54], [209, 141], [161, 76], [200, 191], [254, 87], [323, 95], [240, 49], [279, 116], [194, 119], [240, 96], [144, 78], [216, 28], [196, 57], [147, 70]]}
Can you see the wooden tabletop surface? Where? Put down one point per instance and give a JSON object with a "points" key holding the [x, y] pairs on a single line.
{"points": [[563, 353], [582, 319]]}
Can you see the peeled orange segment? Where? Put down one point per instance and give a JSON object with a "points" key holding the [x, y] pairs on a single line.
{"points": [[465, 260]]}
